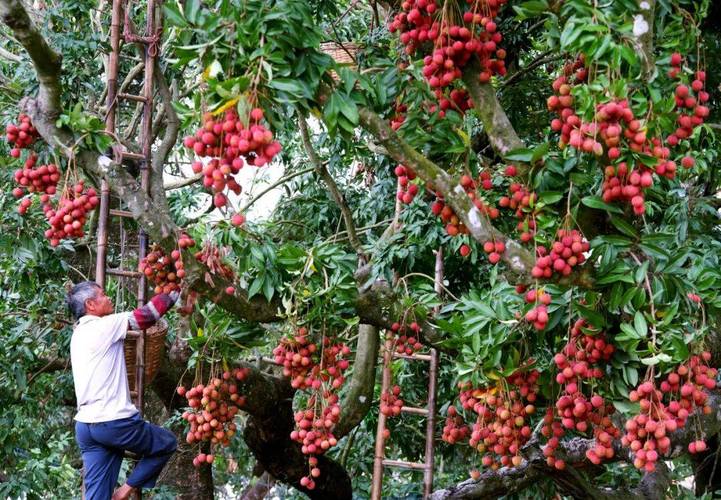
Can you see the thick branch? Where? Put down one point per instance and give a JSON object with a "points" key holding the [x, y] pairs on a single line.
{"points": [[519, 260], [322, 171], [172, 126], [643, 31], [183, 182], [573, 451], [46, 61], [492, 484], [267, 433], [357, 401], [496, 124]]}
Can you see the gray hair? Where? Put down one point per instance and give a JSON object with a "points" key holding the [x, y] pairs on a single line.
{"points": [[78, 295]]}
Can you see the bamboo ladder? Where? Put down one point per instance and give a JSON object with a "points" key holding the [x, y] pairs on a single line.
{"points": [[120, 36], [380, 461]]}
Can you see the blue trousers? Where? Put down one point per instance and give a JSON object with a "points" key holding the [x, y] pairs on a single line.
{"points": [[102, 446]]}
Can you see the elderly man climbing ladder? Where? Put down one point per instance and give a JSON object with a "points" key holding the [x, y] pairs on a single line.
{"points": [[107, 422]]}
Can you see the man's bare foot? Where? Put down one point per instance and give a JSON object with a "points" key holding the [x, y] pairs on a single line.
{"points": [[124, 492]]}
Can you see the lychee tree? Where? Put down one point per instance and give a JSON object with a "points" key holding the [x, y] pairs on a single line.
{"points": [[560, 152]]}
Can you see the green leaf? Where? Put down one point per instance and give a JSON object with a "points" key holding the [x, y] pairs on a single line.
{"points": [[593, 317], [639, 323], [268, 290], [520, 154], [191, 10], [654, 360], [550, 197], [256, 285], [173, 16], [598, 203], [476, 342], [540, 151], [289, 86], [627, 407], [348, 108], [624, 227]]}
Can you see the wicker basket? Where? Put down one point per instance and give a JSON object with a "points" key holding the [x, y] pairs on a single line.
{"points": [[154, 352], [341, 53]]}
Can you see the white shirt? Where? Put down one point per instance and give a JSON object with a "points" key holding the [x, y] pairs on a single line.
{"points": [[99, 372]]}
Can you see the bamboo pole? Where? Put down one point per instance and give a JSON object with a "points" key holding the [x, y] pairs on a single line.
{"points": [[379, 454], [432, 376]]}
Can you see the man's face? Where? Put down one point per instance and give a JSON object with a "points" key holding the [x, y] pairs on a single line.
{"points": [[100, 305]]}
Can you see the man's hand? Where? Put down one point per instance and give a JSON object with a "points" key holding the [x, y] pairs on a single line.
{"points": [[146, 316], [124, 492]]}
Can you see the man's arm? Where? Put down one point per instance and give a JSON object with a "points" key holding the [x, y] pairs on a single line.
{"points": [[146, 316]]}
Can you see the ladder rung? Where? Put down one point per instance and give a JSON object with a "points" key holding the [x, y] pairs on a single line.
{"points": [[133, 394], [132, 156], [121, 213], [418, 357], [404, 465], [124, 272], [414, 411], [132, 97], [134, 334], [139, 39]]}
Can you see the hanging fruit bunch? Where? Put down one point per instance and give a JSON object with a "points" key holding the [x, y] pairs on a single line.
{"points": [[406, 338], [503, 412], [213, 408], [391, 402], [318, 369], [449, 40], [667, 408], [455, 428], [615, 132], [67, 217], [228, 143], [21, 135], [581, 369], [42, 179]]}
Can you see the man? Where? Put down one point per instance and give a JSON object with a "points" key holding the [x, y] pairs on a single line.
{"points": [[107, 422]]}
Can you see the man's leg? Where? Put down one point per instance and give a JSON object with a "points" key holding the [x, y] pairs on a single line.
{"points": [[154, 444], [101, 465]]}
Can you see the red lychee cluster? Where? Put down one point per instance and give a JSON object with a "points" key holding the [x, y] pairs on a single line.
{"points": [[310, 366], [21, 135], [538, 315], [407, 191], [391, 403], [494, 249], [165, 271], [453, 224], [231, 142], [42, 179], [503, 417], [314, 431], [665, 410], [321, 372], [578, 409], [68, 217], [450, 45], [522, 201], [690, 105], [566, 253], [405, 337], [458, 100], [213, 408], [455, 428], [620, 184]]}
